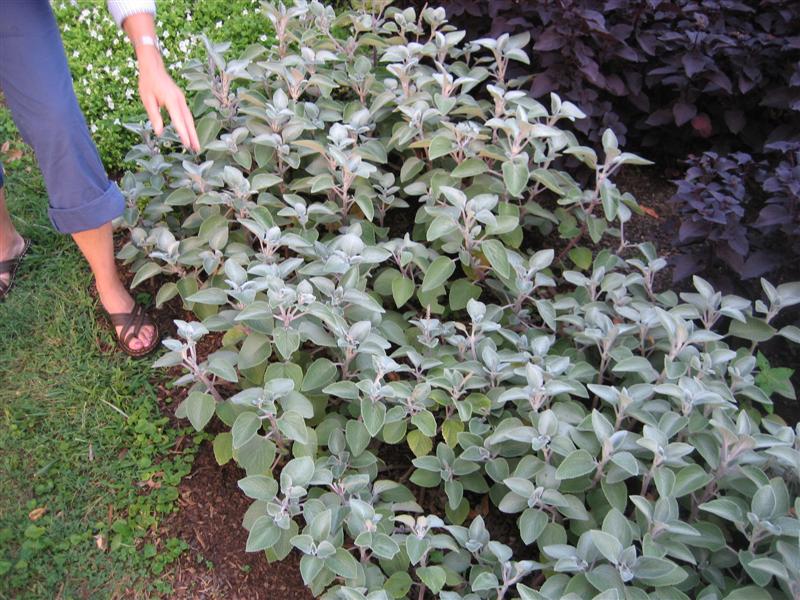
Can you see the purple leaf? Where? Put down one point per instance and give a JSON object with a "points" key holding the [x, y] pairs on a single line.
{"points": [[772, 216], [735, 120], [683, 266], [758, 263], [647, 41], [683, 112], [730, 257], [691, 230], [542, 84], [659, 117], [722, 81], [549, 40], [615, 85], [693, 63]]}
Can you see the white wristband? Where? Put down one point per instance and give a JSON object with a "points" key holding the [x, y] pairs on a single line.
{"points": [[146, 40]]}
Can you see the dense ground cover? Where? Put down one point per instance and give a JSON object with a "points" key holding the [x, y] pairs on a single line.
{"points": [[417, 315], [89, 466], [480, 378]]}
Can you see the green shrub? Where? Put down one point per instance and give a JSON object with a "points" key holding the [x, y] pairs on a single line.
{"points": [[392, 347], [103, 63]]}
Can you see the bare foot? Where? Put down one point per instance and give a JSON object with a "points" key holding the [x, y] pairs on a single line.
{"points": [[9, 251], [116, 299]]}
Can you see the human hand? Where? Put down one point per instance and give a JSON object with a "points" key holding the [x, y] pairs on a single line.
{"points": [[157, 90]]}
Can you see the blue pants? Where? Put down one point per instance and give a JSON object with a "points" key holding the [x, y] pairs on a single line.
{"points": [[37, 85]]}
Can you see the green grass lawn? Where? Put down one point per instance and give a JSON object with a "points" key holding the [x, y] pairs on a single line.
{"points": [[87, 467]]}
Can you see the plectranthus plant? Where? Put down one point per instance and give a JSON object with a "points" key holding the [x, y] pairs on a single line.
{"points": [[442, 368]]}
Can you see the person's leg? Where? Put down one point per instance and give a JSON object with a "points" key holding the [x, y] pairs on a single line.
{"points": [[35, 79], [11, 243]]}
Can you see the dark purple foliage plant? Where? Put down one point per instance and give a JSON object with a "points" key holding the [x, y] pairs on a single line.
{"points": [[738, 211], [713, 73]]}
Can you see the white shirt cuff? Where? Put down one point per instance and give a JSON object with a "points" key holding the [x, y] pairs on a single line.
{"points": [[122, 9]]}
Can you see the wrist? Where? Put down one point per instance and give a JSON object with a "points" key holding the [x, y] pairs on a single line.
{"points": [[146, 45], [148, 57]]}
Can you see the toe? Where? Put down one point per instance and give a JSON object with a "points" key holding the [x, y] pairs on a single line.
{"points": [[144, 339]]}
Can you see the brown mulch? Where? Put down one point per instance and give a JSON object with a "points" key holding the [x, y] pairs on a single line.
{"points": [[210, 505], [209, 520], [652, 191]]}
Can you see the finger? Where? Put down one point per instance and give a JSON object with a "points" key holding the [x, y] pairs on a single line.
{"points": [[190, 127], [188, 122], [176, 116], [153, 112]]}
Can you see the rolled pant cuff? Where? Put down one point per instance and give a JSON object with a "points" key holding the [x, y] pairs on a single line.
{"points": [[91, 215]]}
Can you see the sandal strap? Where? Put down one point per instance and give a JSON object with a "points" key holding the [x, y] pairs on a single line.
{"points": [[9, 265], [6, 266], [131, 323]]}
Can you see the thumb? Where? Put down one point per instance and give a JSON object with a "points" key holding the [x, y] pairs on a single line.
{"points": [[153, 112]]}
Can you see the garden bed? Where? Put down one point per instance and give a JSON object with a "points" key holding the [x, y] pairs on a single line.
{"points": [[429, 419], [211, 505], [503, 336]]}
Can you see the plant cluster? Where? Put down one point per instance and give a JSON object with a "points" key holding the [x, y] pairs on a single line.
{"points": [[674, 69], [389, 352], [739, 211], [104, 68]]}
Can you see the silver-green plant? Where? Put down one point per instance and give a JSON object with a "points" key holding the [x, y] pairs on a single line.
{"points": [[397, 366]]}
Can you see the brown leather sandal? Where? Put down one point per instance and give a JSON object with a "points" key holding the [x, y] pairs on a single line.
{"points": [[132, 324], [10, 266]]}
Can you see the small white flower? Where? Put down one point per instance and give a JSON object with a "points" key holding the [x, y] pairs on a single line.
{"points": [[164, 34], [90, 67], [116, 121], [93, 128], [218, 25], [75, 54], [66, 27], [245, 12], [262, 37], [188, 16], [108, 52]]}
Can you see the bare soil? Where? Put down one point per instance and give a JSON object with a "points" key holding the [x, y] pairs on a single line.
{"points": [[209, 519]]}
